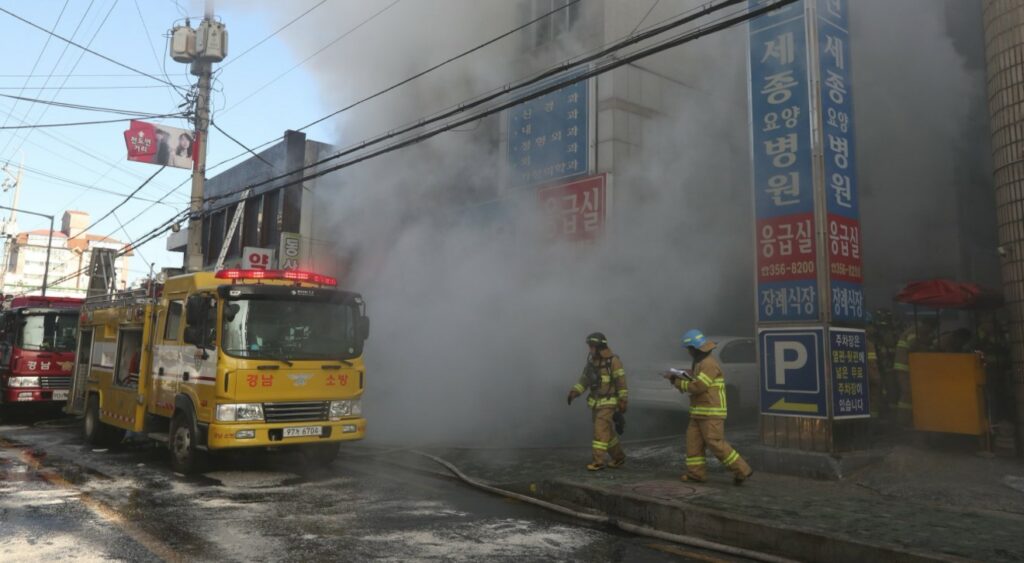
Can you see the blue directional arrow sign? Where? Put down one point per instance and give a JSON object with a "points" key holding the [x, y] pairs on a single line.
{"points": [[792, 362]]}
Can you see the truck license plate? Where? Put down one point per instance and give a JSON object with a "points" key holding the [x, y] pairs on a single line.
{"points": [[60, 395], [303, 431]]}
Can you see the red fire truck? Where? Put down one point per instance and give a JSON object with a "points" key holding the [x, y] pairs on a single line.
{"points": [[37, 350]]}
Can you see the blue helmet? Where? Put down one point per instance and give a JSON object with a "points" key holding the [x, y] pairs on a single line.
{"points": [[694, 338]]}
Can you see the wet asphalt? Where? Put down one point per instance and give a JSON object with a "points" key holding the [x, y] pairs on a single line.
{"points": [[63, 500]]}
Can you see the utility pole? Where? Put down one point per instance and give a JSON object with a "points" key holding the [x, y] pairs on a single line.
{"points": [[194, 250], [203, 46]]}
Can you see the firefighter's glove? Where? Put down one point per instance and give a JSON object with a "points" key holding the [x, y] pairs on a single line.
{"points": [[622, 405], [572, 395]]}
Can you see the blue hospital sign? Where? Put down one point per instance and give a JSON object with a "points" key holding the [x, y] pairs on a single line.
{"points": [[549, 136], [846, 280], [780, 108], [793, 372]]}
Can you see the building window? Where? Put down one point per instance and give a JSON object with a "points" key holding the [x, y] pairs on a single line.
{"points": [[174, 314], [553, 26]]}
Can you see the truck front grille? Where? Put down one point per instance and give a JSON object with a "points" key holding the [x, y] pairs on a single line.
{"points": [[55, 382], [296, 412]]}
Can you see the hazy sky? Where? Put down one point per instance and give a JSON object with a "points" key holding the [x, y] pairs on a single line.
{"points": [[134, 34]]}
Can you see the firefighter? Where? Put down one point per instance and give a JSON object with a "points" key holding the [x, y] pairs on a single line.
{"points": [[874, 370], [705, 383], [887, 334], [605, 378], [914, 339]]}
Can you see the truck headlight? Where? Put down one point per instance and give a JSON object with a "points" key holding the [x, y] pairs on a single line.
{"points": [[346, 408], [240, 412], [29, 381]]}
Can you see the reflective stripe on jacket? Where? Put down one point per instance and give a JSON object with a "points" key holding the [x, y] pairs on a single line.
{"points": [[707, 390], [612, 385]]}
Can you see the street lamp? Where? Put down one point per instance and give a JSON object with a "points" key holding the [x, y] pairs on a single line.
{"points": [[49, 241]]}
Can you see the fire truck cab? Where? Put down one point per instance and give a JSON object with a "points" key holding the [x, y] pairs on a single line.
{"points": [[216, 361], [37, 350]]}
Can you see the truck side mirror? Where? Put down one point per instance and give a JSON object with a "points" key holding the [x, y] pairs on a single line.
{"points": [[363, 325], [194, 336]]}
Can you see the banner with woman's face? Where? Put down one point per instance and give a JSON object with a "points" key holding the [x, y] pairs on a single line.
{"points": [[159, 144]]}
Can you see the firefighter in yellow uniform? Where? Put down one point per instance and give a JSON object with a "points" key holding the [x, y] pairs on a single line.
{"points": [[913, 339], [706, 385], [605, 378], [874, 373]]}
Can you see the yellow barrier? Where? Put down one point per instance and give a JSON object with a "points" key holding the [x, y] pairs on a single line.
{"points": [[948, 392]]}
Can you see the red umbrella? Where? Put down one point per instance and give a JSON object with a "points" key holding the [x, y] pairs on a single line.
{"points": [[948, 294]]}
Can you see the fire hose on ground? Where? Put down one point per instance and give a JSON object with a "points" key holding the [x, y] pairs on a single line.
{"points": [[605, 518]]}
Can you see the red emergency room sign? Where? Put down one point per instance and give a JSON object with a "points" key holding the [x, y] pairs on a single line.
{"points": [[575, 211]]}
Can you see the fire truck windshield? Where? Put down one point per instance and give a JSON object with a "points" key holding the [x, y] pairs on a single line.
{"points": [[290, 330], [53, 332]]}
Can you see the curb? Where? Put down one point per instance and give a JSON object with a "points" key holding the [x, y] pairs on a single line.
{"points": [[730, 529], [810, 465]]}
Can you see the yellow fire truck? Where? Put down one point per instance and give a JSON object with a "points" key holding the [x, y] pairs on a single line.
{"points": [[232, 359]]}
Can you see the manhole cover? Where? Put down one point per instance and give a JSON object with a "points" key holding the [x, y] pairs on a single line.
{"points": [[667, 490]]}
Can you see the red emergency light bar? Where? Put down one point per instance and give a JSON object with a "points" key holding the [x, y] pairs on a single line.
{"points": [[293, 275]]}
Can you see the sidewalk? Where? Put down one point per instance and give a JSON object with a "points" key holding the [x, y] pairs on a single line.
{"points": [[913, 504]]}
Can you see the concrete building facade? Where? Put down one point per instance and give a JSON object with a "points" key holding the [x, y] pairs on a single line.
{"points": [[70, 254]]}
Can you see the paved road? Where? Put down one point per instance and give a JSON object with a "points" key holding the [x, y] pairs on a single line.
{"points": [[64, 500]]}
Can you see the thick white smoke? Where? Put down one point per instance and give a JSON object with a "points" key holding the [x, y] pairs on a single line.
{"points": [[478, 324]]}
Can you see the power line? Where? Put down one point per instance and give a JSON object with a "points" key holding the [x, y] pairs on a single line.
{"points": [[75, 147], [88, 50], [613, 63], [128, 248], [38, 58], [124, 201], [464, 106], [126, 234], [279, 30], [321, 50], [647, 15], [152, 49], [111, 87], [445, 62], [239, 143], [68, 105], [74, 67], [60, 58], [416, 76], [97, 122], [42, 173]]}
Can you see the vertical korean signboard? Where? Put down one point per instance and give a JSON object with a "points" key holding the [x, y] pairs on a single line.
{"points": [[787, 273], [549, 136], [846, 296], [807, 213]]}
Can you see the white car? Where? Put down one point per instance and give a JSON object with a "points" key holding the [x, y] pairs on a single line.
{"points": [[738, 356]]}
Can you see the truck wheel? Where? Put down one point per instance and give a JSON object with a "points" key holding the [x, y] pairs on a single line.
{"points": [[186, 457], [322, 455], [96, 432]]}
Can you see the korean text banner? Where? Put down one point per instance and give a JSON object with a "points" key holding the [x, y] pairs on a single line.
{"points": [[575, 211], [549, 137], [840, 173], [787, 272], [159, 144]]}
